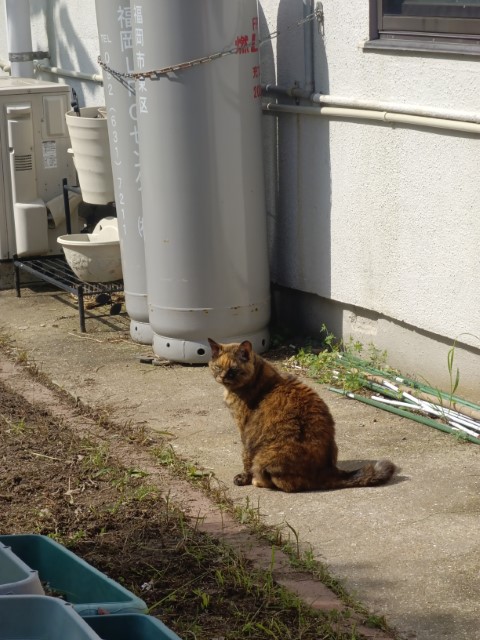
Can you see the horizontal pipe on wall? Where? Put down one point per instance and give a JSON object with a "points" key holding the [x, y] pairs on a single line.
{"points": [[292, 92], [393, 107], [375, 105], [57, 71], [65, 73], [382, 116]]}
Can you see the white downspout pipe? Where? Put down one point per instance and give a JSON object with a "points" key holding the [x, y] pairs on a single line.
{"points": [[383, 116], [19, 37], [308, 55]]}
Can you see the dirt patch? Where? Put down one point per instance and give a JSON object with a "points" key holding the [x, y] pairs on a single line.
{"points": [[97, 487]]}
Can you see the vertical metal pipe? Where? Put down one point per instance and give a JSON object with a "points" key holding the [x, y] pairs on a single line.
{"points": [[19, 37], [308, 53], [66, 205], [81, 309]]}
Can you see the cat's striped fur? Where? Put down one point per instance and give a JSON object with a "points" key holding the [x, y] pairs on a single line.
{"points": [[287, 430]]}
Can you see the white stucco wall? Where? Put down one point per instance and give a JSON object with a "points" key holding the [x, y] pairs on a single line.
{"points": [[382, 217]]}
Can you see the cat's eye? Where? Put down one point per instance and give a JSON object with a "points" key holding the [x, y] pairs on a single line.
{"points": [[231, 373]]}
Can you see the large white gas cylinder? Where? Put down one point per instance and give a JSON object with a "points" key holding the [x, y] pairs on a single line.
{"points": [[202, 174]]}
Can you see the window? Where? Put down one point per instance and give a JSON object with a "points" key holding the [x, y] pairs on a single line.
{"points": [[437, 24]]}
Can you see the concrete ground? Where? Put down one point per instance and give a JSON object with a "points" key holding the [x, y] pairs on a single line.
{"points": [[409, 550]]}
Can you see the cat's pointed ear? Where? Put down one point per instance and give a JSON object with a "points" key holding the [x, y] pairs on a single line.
{"points": [[215, 347], [244, 350]]}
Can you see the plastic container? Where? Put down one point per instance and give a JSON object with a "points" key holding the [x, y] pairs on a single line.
{"points": [[65, 574], [41, 617], [94, 257], [16, 577], [130, 626], [91, 154]]}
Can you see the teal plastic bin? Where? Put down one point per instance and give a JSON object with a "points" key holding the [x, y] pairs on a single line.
{"points": [[64, 574], [130, 626], [41, 617], [16, 577]]}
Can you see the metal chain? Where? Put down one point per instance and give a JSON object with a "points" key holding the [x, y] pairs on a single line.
{"points": [[242, 48]]}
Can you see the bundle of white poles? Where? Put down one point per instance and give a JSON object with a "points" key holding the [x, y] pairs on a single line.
{"points": [[414, 400]]}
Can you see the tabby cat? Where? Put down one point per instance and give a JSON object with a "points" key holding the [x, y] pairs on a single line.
{"points": [[287, 431]]}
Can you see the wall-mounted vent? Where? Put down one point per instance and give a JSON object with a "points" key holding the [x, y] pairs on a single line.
{"points": [[23, 163]]}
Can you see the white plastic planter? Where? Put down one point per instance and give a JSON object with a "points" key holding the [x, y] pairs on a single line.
{"points": [[91, 154], [94, 257]]}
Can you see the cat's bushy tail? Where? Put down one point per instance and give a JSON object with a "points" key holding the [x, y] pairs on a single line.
{"points": [[369, 475]]}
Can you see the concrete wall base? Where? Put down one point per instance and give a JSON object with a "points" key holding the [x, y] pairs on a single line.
{"points": [[416, 353], [6, 275], [7, 278]]}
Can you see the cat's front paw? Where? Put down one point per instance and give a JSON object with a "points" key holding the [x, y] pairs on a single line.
{"points": [[242, 479]]}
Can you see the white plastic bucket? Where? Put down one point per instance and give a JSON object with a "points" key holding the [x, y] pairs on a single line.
{"points": [[95, 257], [91, 154]]}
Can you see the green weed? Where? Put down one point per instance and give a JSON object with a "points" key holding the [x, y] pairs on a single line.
{"points": [[15, 428], [325, 363], [203, 597], [166, 456]]}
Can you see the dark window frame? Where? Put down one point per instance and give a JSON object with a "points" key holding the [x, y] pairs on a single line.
{"points": [[421, 33]]}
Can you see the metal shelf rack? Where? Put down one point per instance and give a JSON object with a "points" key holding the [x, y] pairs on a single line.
{"points": [[55, 270]]}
